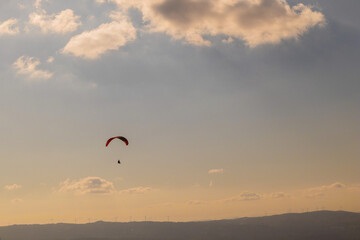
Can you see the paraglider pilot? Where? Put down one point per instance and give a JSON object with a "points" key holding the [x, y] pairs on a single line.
{"points": [[118, 137]]}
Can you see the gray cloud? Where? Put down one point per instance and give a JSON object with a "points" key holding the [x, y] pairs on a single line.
{"points": [[183, 12]]}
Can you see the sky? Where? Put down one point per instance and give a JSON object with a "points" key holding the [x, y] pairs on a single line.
{"points": [[232, 108]]}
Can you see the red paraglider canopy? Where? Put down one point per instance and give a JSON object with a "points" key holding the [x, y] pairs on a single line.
{"points": [[118, 137]]}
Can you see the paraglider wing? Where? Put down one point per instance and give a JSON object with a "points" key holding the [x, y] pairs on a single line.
{"points": [[118, 137]]}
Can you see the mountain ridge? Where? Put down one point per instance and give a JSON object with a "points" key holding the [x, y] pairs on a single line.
{"points": [[319, 225]]}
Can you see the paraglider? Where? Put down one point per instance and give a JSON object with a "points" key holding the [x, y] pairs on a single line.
{"points": [[117, 137]]}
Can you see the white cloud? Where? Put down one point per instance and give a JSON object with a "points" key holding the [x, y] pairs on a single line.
{"points": [[28, 66], [37, 3], [197, 202], [93, 85], [255, 22], [322, 190], [12, 187], [64, 22], [336, 185], [17, 201], [215, 171], [50, 60], [211, 183], [276, 195], [88, 185], [250, 196], [354, 188], [109, 36], [136, 190], [91, 18], [244, 196], [8, 27], [21, 6]]}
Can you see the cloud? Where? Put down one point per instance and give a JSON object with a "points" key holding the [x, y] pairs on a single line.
{"points": [[28, 66], [63, 22], [12, 187], [354, 188], [336, 185], [211, 184], [244, 196], [88, 185], [251, 196], [50, 60], [136, 190], [215, 171], [255, 22], [197, 202], [228, 40], [322, 190], [17, 201], [37, 3], [21, 6], [96, 185], [109, 36], [8, 27], [164, 204], [276, 195]]}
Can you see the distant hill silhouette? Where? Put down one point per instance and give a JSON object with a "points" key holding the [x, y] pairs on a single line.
{"points": [[321, 225]]}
